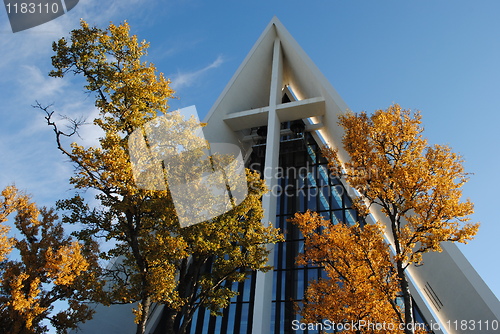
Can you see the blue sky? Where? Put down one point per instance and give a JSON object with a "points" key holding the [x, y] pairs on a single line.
{"points": [[439, 57]]}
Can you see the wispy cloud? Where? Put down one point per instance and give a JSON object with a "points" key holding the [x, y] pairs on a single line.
{"points": [[28, 156], [35, 43], [171, 48], [36, 83], [186, 79]]}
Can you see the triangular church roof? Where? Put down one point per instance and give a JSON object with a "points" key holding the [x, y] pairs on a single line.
{"points": [[249, 88]]}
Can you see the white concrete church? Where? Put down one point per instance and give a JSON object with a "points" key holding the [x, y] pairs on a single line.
{"points": [[279, 109]]}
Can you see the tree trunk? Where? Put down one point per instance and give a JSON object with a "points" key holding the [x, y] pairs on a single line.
{"points": [[403, 281], [146, 306], [187, 289], [408, 304], [134, 224], [188, 316], [169, 316]]}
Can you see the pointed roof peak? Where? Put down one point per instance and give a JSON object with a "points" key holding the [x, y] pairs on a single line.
{"points": [[250, 86], [275, 20]]}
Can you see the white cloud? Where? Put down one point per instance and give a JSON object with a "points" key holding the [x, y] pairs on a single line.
{"points": [[32, 45], [38, 84], [186, 79]]}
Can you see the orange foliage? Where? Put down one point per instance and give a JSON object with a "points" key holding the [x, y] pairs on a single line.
{"points": [[416, 186], [46, 267], [361, 285]]}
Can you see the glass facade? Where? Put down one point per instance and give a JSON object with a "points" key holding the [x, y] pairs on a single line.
{"points": [[304, 182], [236, 317]]}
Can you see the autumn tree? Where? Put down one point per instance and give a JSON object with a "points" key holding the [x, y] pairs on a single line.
{"points": [[361, 284], [157, 259], [415, 185], [39, 267]]}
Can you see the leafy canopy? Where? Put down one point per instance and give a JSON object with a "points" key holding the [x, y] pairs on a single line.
{"points": [[39, 267], [361, 283], [156, 259], [417, 186]]}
